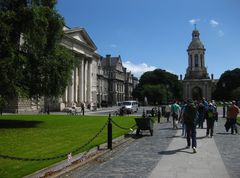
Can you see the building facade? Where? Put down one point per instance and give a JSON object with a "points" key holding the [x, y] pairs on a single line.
{"points": [[197, 84], [94, 79]]}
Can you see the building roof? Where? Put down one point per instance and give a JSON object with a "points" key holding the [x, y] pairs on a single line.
{"points": [[196, 42]]}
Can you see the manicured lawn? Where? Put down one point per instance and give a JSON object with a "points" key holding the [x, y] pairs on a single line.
{"points": [[40, 136]]}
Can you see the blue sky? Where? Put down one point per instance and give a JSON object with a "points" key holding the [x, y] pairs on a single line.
{"points": [[151, 34]]}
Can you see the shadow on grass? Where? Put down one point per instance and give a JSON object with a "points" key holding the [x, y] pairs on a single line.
{"points": [[11, 124]]}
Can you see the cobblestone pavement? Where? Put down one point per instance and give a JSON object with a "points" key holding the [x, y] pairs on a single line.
{"points": [[134, 160], [139, 158], [229, 148]]}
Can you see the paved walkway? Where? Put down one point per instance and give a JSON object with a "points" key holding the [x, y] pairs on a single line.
{"points": [[164, 155]]}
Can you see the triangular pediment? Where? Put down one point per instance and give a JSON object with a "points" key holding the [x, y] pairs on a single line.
{"points": [[81, 35]]}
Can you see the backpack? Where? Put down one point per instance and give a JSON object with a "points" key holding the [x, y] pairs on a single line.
{"points": [[211, 113], [189, 114]]}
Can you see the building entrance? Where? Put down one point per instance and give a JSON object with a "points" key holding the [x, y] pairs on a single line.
{"points": [[197, 93]]}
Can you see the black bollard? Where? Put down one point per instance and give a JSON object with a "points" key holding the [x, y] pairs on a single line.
{"points": [[143, 114], [159, 115], [109, 132], [224, 110]]}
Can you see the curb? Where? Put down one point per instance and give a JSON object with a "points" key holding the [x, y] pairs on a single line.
{"points": [[78, 160]]}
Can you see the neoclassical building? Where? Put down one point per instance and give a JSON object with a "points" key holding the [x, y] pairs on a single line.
{"points": [[197, 83], [94, 79], [83, 85]]}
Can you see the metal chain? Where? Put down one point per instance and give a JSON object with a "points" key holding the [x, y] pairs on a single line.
{"points": [[124, 128], [55, 157]]}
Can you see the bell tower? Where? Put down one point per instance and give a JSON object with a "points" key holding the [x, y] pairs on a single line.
{"points": [[197, 83], [196, 58]]}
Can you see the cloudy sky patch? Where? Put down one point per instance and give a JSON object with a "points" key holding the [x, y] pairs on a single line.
{"points": [[193, 21], [138, 69], [214, 23]]}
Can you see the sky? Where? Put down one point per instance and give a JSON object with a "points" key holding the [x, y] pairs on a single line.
{"points": [[150, 34]]}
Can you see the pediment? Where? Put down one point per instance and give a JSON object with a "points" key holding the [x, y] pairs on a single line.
{"points": [[81, 35]]}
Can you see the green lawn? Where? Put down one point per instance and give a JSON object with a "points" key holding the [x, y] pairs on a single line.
{"points": [[238, 120], [40, 136]]}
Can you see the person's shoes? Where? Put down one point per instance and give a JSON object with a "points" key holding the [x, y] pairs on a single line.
{"points": [[187, 147], [194, 150]]}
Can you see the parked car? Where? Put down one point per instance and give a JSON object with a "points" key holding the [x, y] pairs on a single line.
{"points": [[130, 106]]}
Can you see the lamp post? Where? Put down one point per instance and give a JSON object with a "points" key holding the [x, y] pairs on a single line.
{"points": [[167, 86], [224, 107]]}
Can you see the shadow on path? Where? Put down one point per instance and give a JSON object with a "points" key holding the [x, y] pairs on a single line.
{"points": [[171, 152]]}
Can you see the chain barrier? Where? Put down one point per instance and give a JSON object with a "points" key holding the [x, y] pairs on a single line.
{"points": [[124, 128], [58, 156]]}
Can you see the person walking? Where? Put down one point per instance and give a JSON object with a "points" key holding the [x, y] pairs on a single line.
{"points": [[183, 107], [82, 108], [201, 114], [168, 111], [175, 109], [232, 113], [190, 117], [210, 117]]}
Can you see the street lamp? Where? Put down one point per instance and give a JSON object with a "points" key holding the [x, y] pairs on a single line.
{"points": [[224, 107], [167, 86]]}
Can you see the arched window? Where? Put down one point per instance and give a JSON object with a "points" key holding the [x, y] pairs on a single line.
{"points": [[201, 60], [191, 62], [196, 60]]}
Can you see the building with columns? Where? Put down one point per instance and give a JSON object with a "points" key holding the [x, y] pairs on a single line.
{"points": [[197, 83], [83, 85], [94, 79]]}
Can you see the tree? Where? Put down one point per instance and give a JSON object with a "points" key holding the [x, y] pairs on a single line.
{"points": [[227, 86], [32, 62], [158, 86]]}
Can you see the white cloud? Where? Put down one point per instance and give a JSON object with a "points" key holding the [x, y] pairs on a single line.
{"points": [[138, 69], [113, 45], [214, 23], [220, 33], [193, 21]]}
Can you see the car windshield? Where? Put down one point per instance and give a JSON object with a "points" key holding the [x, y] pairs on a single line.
{"points": [[126, 103]]}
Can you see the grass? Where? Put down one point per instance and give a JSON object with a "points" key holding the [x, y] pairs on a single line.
{"points": [[38, 136], [238, 120]]}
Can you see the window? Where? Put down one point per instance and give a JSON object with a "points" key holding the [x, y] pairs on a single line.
{"points": [[201, 59], [196, 60]]}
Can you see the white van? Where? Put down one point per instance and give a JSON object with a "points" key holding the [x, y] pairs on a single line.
{"points": [[130, 106]]}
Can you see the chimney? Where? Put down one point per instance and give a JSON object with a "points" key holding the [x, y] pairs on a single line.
{"points": [[212, 76], [180, 76]]}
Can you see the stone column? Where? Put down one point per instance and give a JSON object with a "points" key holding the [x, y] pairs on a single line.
{"points": [[65, 96], [90, 81], [71, 89], [85, 80], [76, 85], [81, 80]]}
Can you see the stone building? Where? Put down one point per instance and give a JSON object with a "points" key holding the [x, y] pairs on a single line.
{"points": [[197, 83], [94, 79], [112, 67], [83, 85], [128, 85]]}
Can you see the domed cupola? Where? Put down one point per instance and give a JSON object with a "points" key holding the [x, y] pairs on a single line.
{"points": [[196, 42], [196, 58]]}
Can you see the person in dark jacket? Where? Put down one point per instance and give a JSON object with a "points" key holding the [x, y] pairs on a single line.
{"points": [[190, 117], [210, 117]]}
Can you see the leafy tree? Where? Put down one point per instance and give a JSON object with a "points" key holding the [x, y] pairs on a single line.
{"points": [[158, 86], [32, 62], [227, 86]]}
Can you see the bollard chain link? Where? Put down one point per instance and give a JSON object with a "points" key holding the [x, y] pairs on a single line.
{"points": [[124, 128]]}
